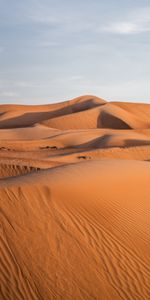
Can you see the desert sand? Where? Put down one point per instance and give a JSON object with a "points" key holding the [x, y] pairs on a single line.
{"points": [[75, 201]]}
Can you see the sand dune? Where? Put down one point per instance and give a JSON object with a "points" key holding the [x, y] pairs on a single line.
{"points": [[108, 115], [75, 201], [14, 116]]}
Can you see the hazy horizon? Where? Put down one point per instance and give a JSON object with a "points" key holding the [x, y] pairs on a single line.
{"points": [[52, 51]]}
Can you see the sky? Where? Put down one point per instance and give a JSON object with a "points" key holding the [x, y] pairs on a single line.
{"points": [[55, 50]]}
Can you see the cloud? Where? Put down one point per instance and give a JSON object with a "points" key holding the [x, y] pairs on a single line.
{"points": [[122, 28], [137, 21]]}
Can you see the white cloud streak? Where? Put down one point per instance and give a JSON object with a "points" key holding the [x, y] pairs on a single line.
{"points": [[136, 22]]}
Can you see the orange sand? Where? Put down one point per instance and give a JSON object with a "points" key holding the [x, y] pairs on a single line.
{"points": [[75, 201]]}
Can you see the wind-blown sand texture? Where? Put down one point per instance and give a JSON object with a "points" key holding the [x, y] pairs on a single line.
{"points": [[75, 201]]}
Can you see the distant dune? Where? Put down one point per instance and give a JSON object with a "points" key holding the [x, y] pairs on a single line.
{"points": [[75, 201]]}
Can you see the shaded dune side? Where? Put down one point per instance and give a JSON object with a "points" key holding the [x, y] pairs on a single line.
{"points": [[108, 120]]}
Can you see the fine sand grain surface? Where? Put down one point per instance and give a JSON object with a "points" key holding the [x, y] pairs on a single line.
{"points": [[75, 201]]}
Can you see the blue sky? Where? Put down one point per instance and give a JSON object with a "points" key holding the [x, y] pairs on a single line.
{"points": [[54, 50]]}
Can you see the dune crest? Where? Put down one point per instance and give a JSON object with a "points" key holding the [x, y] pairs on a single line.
{"points": [[75, 201]]}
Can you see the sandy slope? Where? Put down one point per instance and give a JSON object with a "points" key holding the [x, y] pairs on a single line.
{"points": [[75, 201]]}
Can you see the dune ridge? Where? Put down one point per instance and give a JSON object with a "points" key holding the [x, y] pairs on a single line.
{"points": [[75, 201]]}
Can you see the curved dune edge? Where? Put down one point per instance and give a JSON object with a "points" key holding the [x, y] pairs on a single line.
{"points": [[75, 201]]}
